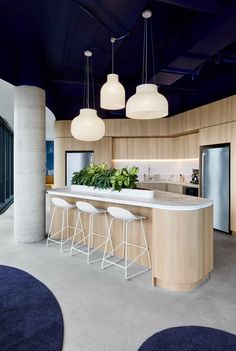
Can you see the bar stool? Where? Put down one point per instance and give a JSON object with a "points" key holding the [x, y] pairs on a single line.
{"points": [[81, 246], [127, 217], [65, 207]]}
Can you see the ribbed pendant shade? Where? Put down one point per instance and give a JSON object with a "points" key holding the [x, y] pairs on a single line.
{"points": [[147, 103], [87, 126], [112, 95]]}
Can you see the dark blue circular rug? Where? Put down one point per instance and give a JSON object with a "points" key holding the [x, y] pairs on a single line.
{"points": [[190, 339], [30, 316]]}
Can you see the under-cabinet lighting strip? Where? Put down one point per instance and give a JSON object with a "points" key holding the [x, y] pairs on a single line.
{"points": [[155, 160]]}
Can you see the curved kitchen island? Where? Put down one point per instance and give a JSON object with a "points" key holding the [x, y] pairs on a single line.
{"points": [[179, 231]]}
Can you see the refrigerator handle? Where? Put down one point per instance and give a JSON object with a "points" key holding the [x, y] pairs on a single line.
{"points": [[203, 174]]}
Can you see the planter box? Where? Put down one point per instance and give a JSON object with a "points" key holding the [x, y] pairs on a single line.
{"points": [[143, 194]]}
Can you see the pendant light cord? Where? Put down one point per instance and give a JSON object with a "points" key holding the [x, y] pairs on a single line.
{"points": [[152, 49], [87, 80], [85, 87], [92, 82], [87, 69], [145, 53], [112, 54], [112, 57]]}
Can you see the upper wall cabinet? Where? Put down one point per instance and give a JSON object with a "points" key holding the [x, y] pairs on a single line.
{"points": [[165, 148], [120, 148], [186, 146], [142, 148]]}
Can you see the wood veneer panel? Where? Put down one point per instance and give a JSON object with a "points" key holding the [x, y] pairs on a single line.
{"points": [[136, 128], [119, 148], [102, 153], [218, 112], [165, 148], [142, 148], [215, 135], [182, 247], [135, 235], [175, 188]]}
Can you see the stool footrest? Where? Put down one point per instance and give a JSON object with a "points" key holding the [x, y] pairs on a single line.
{"points": [[59, 241], [124, 266]]}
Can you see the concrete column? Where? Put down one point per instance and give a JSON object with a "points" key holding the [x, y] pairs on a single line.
{"points": [[29, 164]]}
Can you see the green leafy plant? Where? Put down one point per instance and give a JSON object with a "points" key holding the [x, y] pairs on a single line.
{"points": [[125, 178], [93, 175], [102, 177]]}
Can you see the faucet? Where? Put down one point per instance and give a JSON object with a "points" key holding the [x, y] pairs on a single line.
{"points": [[149, 173], [170, 178]]}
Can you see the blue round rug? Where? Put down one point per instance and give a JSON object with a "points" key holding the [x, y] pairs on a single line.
{"points": [[30, 316], [190, 339]]}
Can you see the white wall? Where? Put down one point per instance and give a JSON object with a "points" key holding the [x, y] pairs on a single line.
{"points": [[164, 168]]}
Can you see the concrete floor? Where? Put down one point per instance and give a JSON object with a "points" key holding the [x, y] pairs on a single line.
{"points": [[102, 311]]}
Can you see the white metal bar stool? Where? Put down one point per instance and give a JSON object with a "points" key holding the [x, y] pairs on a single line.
{"points": [[127, 217], [65, 207], [81, 246]]}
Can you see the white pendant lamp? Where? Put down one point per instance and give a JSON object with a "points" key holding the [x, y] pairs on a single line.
{"points": [[147, 103], [87, 126], [112, 94]]}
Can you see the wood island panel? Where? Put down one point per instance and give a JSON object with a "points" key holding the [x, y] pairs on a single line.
{"points": [[135, 235], [180, 242], [182, 248]]}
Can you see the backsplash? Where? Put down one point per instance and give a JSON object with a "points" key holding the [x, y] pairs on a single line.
{"points": [[162, 169]]}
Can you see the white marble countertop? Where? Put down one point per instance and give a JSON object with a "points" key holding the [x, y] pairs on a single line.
{"points": [[162, 199]]}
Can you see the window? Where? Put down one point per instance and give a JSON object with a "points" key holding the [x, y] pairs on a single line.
{"points": [[6, 165]]}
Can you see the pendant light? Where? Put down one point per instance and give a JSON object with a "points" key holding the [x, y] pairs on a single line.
{"points": [[147, 103], [112, 94], [87, 126]]}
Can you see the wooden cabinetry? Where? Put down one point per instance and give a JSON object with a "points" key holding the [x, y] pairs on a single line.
{"points": [[186, 146], [165, 148], [134, 148], [175, 188], [120, 148], [154, 186], [142, 148], [165, 186], [182, 248]]}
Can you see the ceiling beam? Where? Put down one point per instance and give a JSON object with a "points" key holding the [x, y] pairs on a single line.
{"points": [[203, 39], [211, 7], [102, 15]]}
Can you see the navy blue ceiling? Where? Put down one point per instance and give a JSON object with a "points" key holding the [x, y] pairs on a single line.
{"points": [[42, 44]]}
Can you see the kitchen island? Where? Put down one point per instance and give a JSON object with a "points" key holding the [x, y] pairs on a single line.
{"points": [[179, 232]]}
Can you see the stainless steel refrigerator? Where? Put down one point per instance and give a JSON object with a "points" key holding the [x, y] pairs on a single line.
{"points": [[75, 161], [215, 183]]}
